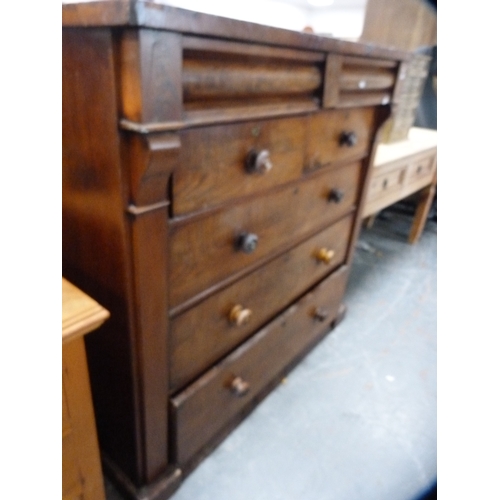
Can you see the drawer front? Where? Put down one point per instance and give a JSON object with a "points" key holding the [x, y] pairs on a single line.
{"points": [[205, 333], [338, 136], [421, 169], [209, 249], [205, 407], [219, 163], [381, 184], [224, 81]]}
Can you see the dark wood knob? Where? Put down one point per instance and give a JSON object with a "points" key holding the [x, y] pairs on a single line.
{"points": [[336, 195], [348, 139], [247, 242], [239, 387], [258, 162]]}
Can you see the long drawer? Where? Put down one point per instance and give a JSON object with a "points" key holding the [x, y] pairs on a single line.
{"points": [[240, 235], [202, 335], [210, 403]]}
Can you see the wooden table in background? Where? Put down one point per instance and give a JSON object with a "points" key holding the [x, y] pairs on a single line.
{"points": [[81, 466], [400, 170]]}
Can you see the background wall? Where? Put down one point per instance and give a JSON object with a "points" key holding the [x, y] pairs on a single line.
{"points": [[344, 19]]}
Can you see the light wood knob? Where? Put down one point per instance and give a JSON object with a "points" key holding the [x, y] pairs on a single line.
{"points": [[320, 314], [325, 255], [239, 387], [239, 316]]}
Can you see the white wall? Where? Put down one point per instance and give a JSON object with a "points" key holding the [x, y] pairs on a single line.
{"points": [[341, 22], [269, 12]]}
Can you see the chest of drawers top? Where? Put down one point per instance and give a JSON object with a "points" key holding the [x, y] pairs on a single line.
{"points": [[215, 69]]}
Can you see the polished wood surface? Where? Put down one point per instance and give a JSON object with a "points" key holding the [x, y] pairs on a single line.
{"points": [[196, 411], [145, 14], [214, 161], [325, 132], [265, 292], [81, 464], [197, 244], [213, 176]]}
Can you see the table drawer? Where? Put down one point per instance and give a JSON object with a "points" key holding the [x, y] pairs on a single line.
{"points": [[383, 183], [206, 406], [337, 136], [222, 162], [208, 249], [202, 335], [421, 169]]}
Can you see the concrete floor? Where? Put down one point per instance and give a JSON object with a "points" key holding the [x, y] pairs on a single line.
{"points": [[356, 420]]}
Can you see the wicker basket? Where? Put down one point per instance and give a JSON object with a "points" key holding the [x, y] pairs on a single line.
{"points": [[404, 112]]}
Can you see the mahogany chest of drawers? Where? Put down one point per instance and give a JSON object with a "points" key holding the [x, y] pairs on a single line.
{"points": [[213, 177]]}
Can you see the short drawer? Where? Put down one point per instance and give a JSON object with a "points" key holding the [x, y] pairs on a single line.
{"points": [[218, 163], [200, 412], [206, 250], [337, 136], [386, 182], [421, 169], [202, 335]]}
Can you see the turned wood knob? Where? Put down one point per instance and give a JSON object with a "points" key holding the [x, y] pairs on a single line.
{"points": [[348, 139], [239, 386], [258, 162], [247, 242], [336, 195], [239, 315], [320, 314], [325, 255]]}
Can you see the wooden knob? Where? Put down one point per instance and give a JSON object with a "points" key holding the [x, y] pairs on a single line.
{"points": [[239, 316], [348, 139], [239, 387], [258, 162], [336, 195], [325, 255], [247, 242], [320, 314]]}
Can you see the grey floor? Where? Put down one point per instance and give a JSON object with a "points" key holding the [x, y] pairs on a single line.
{"points": [[356, 420]]}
